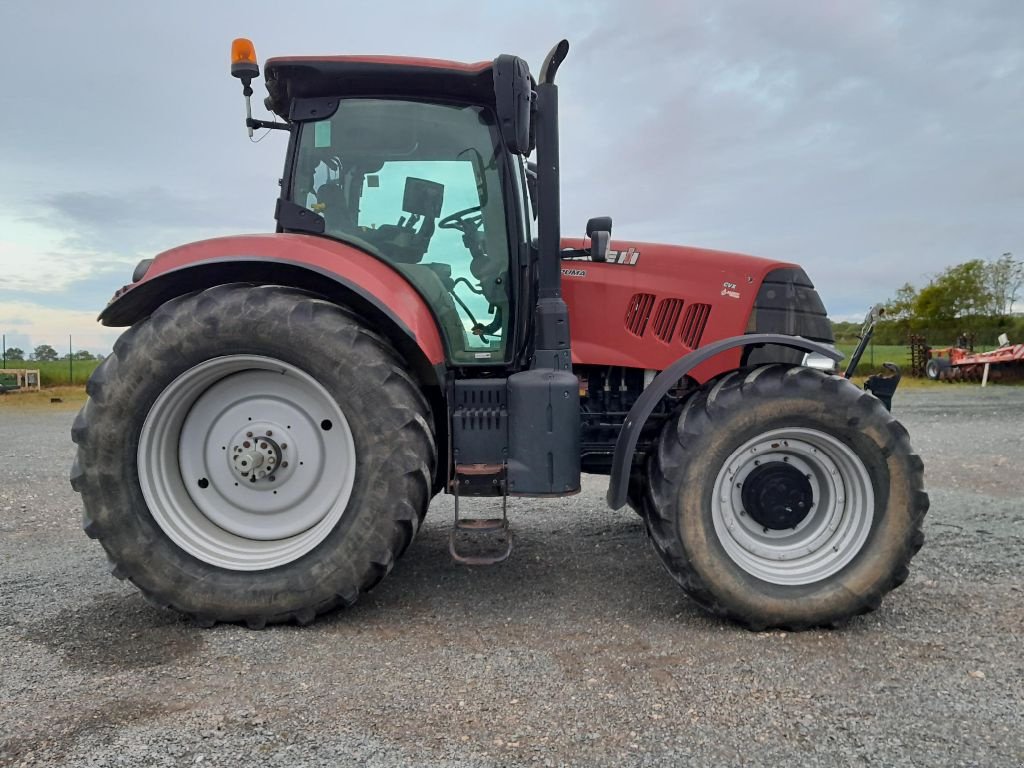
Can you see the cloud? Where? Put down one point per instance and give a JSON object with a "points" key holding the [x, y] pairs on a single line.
{"points": [[138, 209], [47, 325], [871, 142], [48, 269]]}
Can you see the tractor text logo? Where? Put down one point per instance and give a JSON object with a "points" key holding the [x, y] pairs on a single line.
{"points": [[628, 257], [729, 289]]}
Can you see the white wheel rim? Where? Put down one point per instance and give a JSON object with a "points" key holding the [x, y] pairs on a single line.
{"points": [[246, 462], [820, 544]]}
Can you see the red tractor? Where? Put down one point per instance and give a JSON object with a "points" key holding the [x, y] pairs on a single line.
{"points": [[264, 441]]}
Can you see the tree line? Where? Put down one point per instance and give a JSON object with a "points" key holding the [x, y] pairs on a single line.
{"points": [[44, 353], [975, 298], [975, 288]]}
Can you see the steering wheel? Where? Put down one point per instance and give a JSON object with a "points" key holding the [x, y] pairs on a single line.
{"points": [[466, 220]]}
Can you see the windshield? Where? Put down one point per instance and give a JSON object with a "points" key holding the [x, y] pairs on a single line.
{"points": [[417, 184]]}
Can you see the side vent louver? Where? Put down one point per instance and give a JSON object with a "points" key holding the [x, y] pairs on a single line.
{"points": [[638, 312], [666, 318], [695, 318]]}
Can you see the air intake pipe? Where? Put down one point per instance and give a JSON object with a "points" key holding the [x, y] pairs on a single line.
{"points": [[544, 402]]}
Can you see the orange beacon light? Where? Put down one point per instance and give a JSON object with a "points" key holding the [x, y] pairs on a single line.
{"points": [[243, 59], [245, 68]]}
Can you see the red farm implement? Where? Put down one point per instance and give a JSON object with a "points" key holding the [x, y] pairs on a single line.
{"points": [[957, 363]]}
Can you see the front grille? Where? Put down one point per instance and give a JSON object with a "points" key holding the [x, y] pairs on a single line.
{"points": [[666, 318], [638, 312], [695, 319]]}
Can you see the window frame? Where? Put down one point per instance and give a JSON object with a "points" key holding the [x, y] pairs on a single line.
{"points": [[517, 322]]}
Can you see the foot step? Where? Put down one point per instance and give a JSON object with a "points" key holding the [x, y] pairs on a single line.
{"points": [[481, 524], [488, 527]]}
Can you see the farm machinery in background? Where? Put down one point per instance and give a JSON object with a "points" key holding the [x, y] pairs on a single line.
{"points": [[960, 363]]}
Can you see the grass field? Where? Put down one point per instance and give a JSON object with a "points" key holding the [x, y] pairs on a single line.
{"points": [[56, 374], [873, 359]]}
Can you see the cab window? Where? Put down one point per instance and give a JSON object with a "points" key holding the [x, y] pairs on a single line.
{"points": [[418, 185]]}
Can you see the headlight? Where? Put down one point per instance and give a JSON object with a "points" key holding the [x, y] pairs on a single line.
{"points": [[819, 362]]}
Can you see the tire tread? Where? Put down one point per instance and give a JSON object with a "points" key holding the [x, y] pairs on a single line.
{"points": [[405, 410], [697, 417]]}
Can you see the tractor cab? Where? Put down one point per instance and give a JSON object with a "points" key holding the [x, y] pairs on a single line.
{"points": [[405, 159]]}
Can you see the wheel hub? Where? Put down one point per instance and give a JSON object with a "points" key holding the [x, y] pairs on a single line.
{"points": [[246, 462], [777, 495], [256, 456], [792, 505]]}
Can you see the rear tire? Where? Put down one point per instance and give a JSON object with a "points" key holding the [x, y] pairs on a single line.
{"points": [[783, 497], [192, 528]]}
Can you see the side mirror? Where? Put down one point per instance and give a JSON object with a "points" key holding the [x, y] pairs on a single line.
{"points": [[599, 230], [513, 93]]}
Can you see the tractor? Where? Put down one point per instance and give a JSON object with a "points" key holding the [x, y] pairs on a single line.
{"points": [[264, 441]]}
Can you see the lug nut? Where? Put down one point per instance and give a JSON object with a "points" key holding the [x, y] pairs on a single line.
{"points": [[248, 434]]}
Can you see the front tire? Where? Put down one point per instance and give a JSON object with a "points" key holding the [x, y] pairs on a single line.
{"points": [[253, 454], [783, 497]]}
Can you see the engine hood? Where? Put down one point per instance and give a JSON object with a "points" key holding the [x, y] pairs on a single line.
{"points": [[651, 303]]}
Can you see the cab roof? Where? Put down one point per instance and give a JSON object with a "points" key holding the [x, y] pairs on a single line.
{"points": [[294, 77]]}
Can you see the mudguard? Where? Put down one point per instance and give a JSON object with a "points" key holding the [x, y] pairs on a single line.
{"points": [[625, 446], [338, 271]]}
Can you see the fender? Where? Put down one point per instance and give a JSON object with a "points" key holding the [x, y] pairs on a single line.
{"points": [[625, 446], [333, 269]]}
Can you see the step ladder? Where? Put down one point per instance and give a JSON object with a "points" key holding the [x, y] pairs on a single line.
{"points": [[481, 480]]}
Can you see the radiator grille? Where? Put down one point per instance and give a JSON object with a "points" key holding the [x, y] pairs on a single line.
{"points": [[695, 318], [666, 318], [638, 312]]}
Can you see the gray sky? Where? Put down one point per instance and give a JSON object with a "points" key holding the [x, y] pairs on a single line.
{"points": [[872, 142]]}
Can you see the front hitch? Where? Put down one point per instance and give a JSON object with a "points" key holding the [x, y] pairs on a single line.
{"points": [[882, 386]]}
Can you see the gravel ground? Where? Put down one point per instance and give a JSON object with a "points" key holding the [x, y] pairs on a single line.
{"points": [[580, 650]]}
